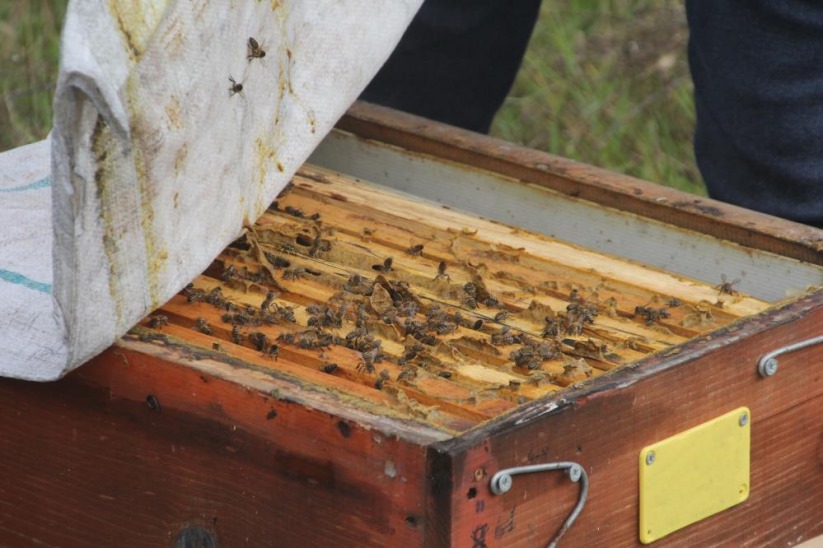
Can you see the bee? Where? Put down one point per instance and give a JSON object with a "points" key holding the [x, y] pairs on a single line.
{"points": [[651, 314], [408, 309], [574, 326], [504, 337], [323, 316], [551, 329], [577, 315], [415, 250], [411, 352], [286, 313], [365, 367], [266, 304], [491, 302], [381, 379], [203, 326], [527, 357], [286, 338], [228, 273], [522, 355], [441, 272], [259, 340], [158, 320], [385, 267], [319, 245], [389, 316], [407, 376], [295, 212], [240, 318], [477, 325], [444, 374], [362, 317], [548, 351], [727, 287], [273, 351], [315, 339], [583, 310], [428, 340], [236, 336], [193, 294], [502, 315], [470, 295], [443, 328], [215, 297], [674, 302], [435, 314], [255, 51], [414, 328], [358, 285], [329, 368], [236, 87]]}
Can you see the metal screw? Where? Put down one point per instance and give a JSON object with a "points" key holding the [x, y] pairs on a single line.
{"points": [[744, 420], [504, 483], [650, 458], [769, 367], [575, 473]]}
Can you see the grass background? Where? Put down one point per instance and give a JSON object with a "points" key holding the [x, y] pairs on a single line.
{"points": [[604, 81]]}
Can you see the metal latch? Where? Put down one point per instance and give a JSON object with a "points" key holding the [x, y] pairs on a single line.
{"points": [[501, 483], [767, 364]]}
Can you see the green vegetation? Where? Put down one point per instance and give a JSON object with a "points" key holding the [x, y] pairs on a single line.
{"points": [[604, 81], [29, 44]]}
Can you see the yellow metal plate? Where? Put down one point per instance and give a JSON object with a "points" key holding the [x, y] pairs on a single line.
{"points": [[694, 474]]}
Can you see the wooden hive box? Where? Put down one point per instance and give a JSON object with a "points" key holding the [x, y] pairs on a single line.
{"points": [[357, 368]]}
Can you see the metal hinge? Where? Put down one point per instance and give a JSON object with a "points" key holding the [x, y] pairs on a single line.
{"points": [[501, 483]]}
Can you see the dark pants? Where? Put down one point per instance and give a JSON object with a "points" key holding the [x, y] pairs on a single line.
{"points": [[457, 61], [757, 67]]}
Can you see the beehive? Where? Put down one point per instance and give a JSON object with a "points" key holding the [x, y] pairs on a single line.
{"points": [[257, 407]]}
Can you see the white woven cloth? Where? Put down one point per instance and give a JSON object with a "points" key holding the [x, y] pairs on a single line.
{"points": [[158, 160]]}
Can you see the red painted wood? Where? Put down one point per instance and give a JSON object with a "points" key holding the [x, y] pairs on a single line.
{"points": [[87, 462], [605, 428]]}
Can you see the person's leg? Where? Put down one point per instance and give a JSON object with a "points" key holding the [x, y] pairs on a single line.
{"points": [[757, 67], [457, 61]]}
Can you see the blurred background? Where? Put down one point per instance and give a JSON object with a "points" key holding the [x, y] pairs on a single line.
{"points": [[605, 82]]}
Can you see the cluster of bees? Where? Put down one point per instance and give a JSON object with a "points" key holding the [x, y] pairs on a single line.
{"points": [[351, 319]]}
